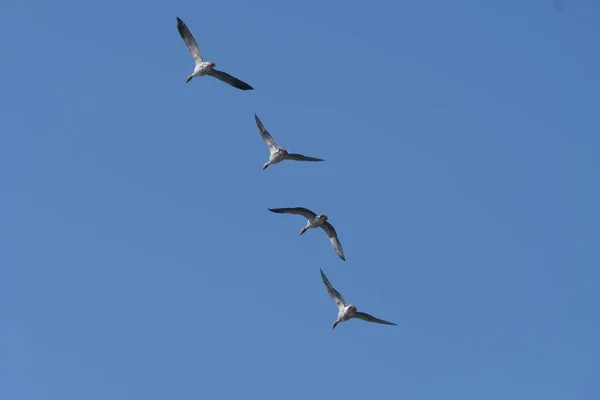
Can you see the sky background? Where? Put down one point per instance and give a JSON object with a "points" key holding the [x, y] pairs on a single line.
{"points": [[138, 259]]}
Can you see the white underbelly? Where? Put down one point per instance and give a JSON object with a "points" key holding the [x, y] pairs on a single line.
{"points": [[276, 158]]}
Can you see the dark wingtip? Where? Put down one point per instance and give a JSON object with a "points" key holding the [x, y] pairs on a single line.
{"points": [[324, 277], [238, 84], [179, 21], [343, 258]]}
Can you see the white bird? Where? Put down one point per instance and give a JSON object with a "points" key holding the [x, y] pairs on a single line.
{"points": [[315, 221], [345, 312], [205, 67], [278, 154]]}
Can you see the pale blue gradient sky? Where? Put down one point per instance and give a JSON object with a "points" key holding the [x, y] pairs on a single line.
{"points": [[462, 142]]}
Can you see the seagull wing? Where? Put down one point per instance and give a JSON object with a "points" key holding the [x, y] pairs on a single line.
{"points": [[233, 81], [300, 157], [189, 40], [333, 238], [305, 212], [335, 295], [265, 135], [370, 318]]}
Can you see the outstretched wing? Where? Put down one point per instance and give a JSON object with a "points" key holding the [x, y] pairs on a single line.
{"points": [[335, 295], [305, 212], [233, 81], [300, 157], [370, 318], [189, 40], [265, 135], [333, 238]]}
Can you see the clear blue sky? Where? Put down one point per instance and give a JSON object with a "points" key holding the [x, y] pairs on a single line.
{"points": [[138, 259]]}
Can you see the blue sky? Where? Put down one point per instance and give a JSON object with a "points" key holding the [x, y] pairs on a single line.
{"points": [[138, 259]]}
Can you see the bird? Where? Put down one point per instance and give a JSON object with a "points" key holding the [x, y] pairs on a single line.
{"points": [[205, 67], [315, 221], [348, 311], [278, 154]]}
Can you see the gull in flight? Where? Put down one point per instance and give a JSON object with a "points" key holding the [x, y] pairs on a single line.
{"points": [[347, 311], [205, 67], [278, 154], [315, 221]]}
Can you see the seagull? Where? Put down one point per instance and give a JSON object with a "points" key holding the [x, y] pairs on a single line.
{"points": [[278, 154], [315, 221], [205, 67], [348, 311]]}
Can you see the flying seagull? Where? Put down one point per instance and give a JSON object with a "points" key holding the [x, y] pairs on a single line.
{"points": [[278, 154], [347, 311], [315, 221], [205, 67]]}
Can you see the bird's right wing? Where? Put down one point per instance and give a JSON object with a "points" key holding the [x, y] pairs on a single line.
{"points": [[333, 238], [300, 157], [335, 295], [232, 80], [305, 212], [189, 40], [265, 135], [370, 318]]}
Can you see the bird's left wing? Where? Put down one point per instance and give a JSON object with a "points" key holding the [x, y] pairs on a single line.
{"points": [[335, 295], [268, 139], [305, 212], [189, 40]]}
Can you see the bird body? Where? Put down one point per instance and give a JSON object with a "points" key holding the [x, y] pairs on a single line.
{"points": [[344, 314], [201, 69], [276, 157], [316, 222]]}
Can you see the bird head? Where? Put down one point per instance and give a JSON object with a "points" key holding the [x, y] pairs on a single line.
{"points": [[323, 217]]}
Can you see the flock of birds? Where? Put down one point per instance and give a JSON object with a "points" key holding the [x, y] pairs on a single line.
{"points": [[277, 155]]}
